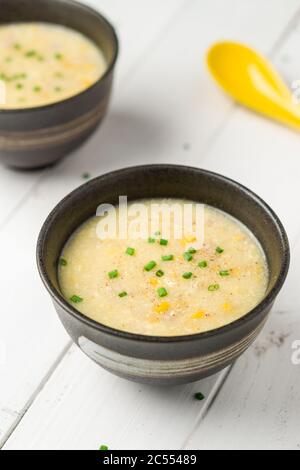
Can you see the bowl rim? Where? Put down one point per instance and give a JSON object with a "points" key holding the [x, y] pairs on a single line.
{"points": [[108, 70], [263, 304]]}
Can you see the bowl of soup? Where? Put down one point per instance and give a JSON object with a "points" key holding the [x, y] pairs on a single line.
{"points": [[56, 72], [163, 273]]}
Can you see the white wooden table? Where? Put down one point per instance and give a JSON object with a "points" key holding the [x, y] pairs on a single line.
{"points": [[165, 109]]}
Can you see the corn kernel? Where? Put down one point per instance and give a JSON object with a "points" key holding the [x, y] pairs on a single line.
{"points": [[162, 308], [227, 306], [190, 238], [199, 314], [153, 281]]}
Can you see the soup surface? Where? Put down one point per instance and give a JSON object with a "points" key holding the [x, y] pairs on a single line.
{"points": [[42, 63], [165, 287]]}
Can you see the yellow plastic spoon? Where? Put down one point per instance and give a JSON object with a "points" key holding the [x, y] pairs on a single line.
{"points": [[252, 81]]}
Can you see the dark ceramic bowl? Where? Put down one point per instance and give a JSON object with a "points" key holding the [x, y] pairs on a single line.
{"points": [[163, 360], [37, 137]]}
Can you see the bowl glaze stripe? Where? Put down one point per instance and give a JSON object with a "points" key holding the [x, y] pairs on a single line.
{"points": [[145, 368], [55, 135]]}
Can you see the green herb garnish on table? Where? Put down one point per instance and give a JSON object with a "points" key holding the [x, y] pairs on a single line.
{"points": [[199, 396], [130, 251]]}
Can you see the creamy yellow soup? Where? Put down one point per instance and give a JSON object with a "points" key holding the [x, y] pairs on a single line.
{"points": [[165, 287], [42, 63]]}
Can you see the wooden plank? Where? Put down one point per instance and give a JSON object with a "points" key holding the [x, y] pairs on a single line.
{"points": [[258, 407], [151, 118]]}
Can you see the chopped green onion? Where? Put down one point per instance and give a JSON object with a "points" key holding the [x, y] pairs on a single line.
{"points": [[18, 76], [8, 60], [31, 53], [157, 233], [130, 251], [167, 257], [199, 396], [162, 292], [63, 262], [151, 240], [58, 88], [113, 274], [19, 86], [40, 58], [17, 46], [202, 264], [123, 294], [192, 250], [58, 56], [213, 287], [150, 265], [188, 256], [159, 273], [163, 242], [225, 272], [187, 275], [103, 448], [37, 88], [219, 250], [76, 299]]}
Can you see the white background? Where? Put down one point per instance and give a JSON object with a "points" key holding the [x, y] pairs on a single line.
{"points": [[51, 395]]}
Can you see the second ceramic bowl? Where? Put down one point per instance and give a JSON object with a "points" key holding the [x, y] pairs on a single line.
{"points": [[37, 137]]}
